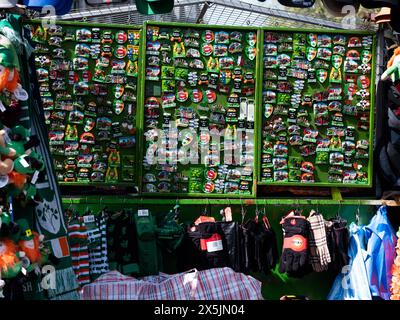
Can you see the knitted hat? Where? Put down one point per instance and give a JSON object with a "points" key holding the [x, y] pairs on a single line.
{"points": [[150, 7], [26, 231]]}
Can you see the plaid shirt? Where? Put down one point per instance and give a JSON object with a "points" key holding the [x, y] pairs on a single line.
{"points": [[212, 284]]}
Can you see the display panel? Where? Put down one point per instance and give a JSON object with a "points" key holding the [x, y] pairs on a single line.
{"points": [[200, 102], [317, 108], [88, 84]]}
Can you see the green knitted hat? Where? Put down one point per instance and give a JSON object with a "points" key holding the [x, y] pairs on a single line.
{"points": [[26, 231]]}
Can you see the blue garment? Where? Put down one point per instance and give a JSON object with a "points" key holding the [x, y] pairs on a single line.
{"points": [[352, 283], [381, 253], [372, 252]]}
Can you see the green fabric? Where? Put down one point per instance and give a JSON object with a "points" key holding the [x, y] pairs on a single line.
{"points": [[147, 246], [26, 231], [8, 54], [393, 72]]}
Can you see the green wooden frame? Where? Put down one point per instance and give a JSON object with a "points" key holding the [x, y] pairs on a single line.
{"points": [[112, 200], [137, 116], [372, 108], [258, 83]]}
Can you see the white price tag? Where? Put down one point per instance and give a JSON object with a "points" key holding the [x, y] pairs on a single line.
{"points": [[35, 177], [213, 246], [21, 94], [2, 107], [24, 163], [88, 219], [143, 213]]}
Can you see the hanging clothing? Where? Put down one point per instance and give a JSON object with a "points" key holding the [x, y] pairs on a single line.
{"points": [[352, 283], [319, 252], [371, 253], [395, 285], [381, 253], [97, 237], [122, 244], [338, 243], [78, 240]]}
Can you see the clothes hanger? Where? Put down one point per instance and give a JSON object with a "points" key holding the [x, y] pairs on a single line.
{"points": [[358, 213]]}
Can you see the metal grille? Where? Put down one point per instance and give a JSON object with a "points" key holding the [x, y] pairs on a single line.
{"points": [[215, 12]]}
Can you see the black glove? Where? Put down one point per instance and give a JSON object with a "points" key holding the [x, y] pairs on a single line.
{"points": [[294, 258], [213, 248]]}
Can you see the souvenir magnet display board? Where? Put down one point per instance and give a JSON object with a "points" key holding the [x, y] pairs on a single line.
{"points": [[199, 110], [88, 83], [318, 94]]}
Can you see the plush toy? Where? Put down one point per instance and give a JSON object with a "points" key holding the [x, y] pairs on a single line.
{"points": [[8, 228], [15, 146], [9, 66], [393, 67], [10, 263], [7, 164], [32, 245]]}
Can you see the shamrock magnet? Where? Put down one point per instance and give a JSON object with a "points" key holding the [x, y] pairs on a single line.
{"points": [[118, 107], [89, 124], [312, 39], [311, 53], [268, 110], [251, 52], [337, 61], [251, 38], [119, 91], [322, 75]]}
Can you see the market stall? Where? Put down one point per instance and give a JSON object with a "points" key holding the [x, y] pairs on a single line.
{"points": [[140, 154]]}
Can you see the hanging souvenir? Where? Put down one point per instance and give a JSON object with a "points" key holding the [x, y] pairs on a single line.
{"points": [[321, 75], [208, 36], [220, 50], [71, 133], [83, 35], [281, 176], [196, 64], [235, 47], [251, 53], [339, 50], [324, 41], [307, 177], [312, 39], [324, 54], [196, 96], [335, 76]]}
